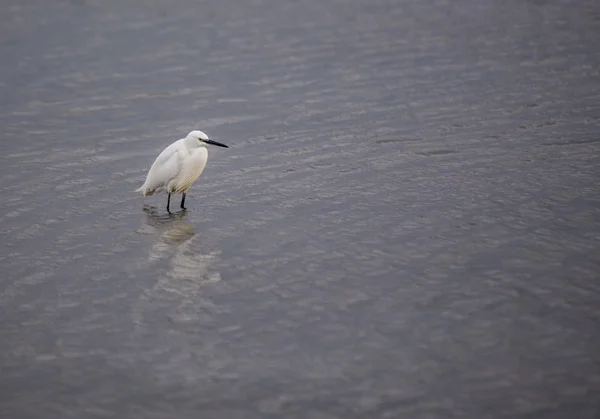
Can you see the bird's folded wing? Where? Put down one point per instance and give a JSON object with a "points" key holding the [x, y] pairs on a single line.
{"points": [[166, 167]]}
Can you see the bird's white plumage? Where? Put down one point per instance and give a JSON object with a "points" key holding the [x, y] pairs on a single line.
{"points": [[178, 166]]}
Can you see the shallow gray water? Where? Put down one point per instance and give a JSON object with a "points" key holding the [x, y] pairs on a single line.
{"points": [[406, 225]]}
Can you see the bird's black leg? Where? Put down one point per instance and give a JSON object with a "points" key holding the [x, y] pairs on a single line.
{"points": [[168, 203], [183, 201]]}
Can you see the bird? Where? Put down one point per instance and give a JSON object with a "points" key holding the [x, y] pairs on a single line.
{"points": [[178, 166]]}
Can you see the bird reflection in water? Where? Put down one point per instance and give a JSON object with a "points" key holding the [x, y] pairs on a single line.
{"points": [[180, 245], [171, 226], [181, 265]]}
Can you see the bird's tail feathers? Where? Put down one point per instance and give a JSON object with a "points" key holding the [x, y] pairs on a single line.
{"points": [[145, 191]]}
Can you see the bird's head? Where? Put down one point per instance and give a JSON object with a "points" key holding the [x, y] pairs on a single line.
{"points": [[203, 138]]}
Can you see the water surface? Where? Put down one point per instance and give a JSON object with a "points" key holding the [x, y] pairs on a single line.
{"points": [[406, 223]]}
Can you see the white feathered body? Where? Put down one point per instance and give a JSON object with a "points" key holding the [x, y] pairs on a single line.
{"points": [[176, 168]]}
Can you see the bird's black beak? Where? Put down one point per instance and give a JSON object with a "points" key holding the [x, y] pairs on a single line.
{"points": [[215, 143]]}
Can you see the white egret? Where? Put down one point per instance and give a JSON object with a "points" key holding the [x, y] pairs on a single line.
{"points": [[178, 166]]}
